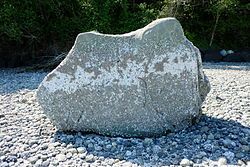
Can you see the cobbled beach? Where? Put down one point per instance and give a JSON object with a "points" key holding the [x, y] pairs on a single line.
{"points": [[221, 137]]}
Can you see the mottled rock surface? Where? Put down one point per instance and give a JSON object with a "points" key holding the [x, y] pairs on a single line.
{"points": [[145, 83]]}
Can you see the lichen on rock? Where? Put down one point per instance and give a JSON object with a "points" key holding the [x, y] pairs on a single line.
{"points": [[143, 83]]}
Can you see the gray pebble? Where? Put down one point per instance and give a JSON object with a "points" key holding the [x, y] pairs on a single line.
{"points": [[61, 157], [186, 162], [230, 155], [72, 150], [210, 136], [4, 164], [81, 149], [89, 158], [222, 161], [33, 159]]}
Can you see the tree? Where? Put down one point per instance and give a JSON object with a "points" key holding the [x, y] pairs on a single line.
{"points": [[217, 9]]}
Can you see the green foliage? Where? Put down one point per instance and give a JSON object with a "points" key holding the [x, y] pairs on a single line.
{"points": [[34, 25], [198, 19]]}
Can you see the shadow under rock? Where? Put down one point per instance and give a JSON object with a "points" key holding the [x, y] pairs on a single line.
{"points": [[15, 80], [209, 139]]}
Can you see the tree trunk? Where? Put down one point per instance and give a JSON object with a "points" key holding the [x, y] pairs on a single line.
{"points": [[214, 29]]}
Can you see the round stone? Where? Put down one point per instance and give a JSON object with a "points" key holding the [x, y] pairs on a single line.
{"points": [[186, 162], [72, 150], [69, 155], [128, 153], [210, 136], [33, 159], [81, 149], [222, 161], [61, 157], [245, 148], [39, 162]]}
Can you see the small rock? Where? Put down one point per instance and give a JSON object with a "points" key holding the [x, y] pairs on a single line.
{"points": [[128, 153], [8, 138], [245, 148], [148, 141], [210, 136], [61, 157], [127, 164], [98, 148], [114, 144], [223, 52], [239, 155], [241, 163], [90, 145], [44, 157], [39, 162], [78, 141], [4, 164], [23, 100], [186, 162], [72, 150], [229, 143], [208, 147], [68, 155], [201, 154], [204, 129], [89, 158], [70, 146], [56, 144], [222, 161], [230, 155], [81, 149], [11, 159], [44, 146], [109, 146], [230, 52], [46, 163], [82, 155], [33, 159], [156, 149]]}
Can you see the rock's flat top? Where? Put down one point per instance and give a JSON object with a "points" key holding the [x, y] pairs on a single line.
{"points": [[145, 83], [28, 138]]}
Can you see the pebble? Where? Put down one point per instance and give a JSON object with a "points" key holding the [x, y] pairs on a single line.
{"points": [[69, 155], [89, 158], [44, 157], [46, 163], [4, 164], [230, 155], [72, 150], [33, 159], [61, 157], [222, 161], [81, 149], [39, 162], [229, 143], [245, 148], [239, 155], [156, 149], [128, 153], [204, 129], [210, 136], [28, 138], [186, 162], [82, 155]]}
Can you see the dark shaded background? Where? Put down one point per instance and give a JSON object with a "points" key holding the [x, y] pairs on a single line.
{"points": [[35, 31]]}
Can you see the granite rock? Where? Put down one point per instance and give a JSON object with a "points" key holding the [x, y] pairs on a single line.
{"points": [[148, 82]]}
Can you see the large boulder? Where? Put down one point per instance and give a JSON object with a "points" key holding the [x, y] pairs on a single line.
{"points": [[144, 83]]}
